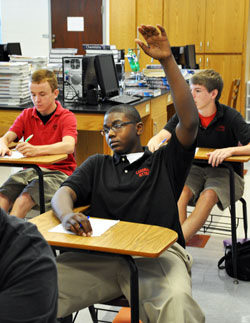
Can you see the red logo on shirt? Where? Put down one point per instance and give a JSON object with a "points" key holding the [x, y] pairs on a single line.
{"points": [[142, 172], [55, 126], [220, 128]]}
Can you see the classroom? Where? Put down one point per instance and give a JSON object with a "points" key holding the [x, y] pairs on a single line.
{"points": [[71, 38]]}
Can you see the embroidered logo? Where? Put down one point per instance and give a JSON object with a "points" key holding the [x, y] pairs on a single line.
{"points": [[220, 128], [55, 126], [142, 172]]}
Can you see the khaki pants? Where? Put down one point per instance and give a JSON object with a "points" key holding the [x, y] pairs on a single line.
{"points": [[164, 284]]}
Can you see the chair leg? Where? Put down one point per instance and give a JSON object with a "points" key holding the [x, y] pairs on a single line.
{"points": [[244, 211], [93, 314]]}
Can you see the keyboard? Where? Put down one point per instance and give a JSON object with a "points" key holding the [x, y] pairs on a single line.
{"points": [[124, 98]]}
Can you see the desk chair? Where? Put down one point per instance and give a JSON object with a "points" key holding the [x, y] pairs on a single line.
{"points": [[233, 93], [117, 302]]}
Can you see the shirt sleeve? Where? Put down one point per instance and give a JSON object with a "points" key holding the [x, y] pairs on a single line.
{"points": [[81, 180], [18, 125], [69, 125], [179, 161], [241, 129], [172, 123]]}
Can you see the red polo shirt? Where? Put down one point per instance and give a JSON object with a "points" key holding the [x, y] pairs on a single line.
{"points": [[62, 123]]}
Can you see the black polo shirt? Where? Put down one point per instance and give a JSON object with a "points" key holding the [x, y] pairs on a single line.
{"points": [[145, 191], [227, 129], [28, 274]]}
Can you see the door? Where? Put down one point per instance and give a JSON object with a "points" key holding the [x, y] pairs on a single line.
{"points": [[76, 22]]}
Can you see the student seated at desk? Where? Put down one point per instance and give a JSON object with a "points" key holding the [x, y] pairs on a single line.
{"points": [[53, 131], [28, 275], [138, 186], [222, 128]]}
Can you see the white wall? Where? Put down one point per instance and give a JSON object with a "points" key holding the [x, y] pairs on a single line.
{"points": [[27, 22]]}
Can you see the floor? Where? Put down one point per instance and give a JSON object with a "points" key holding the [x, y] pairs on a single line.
{"points": [[220, 299]]}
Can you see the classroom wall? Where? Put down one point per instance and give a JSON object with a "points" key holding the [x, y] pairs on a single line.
{"points": [[27, 22]]}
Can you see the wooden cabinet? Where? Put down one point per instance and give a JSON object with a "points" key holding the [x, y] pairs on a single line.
{"points": [[214, 26], [126, 16], [185, 22], [123, 25], [150, 15]]}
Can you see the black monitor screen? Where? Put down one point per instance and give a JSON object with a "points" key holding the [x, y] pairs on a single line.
{"points": [[190, 58], [89, 79], [14, 49], [106, 75]]}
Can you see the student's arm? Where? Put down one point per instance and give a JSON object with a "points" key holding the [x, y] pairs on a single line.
{"points": [[218, 155], [66, 146], [5, 141], [158, 47], [165, 133], [63, 204], [154, 142]]}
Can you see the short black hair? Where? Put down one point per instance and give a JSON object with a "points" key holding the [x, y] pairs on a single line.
{"points": [[129, 111]]}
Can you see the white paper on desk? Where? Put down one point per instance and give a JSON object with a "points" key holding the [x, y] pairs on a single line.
{"points": [[15, 154], [99, 226]]}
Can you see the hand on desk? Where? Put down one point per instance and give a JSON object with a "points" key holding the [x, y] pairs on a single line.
{"points": [[217, 156], [77, 223], [27, 149]]}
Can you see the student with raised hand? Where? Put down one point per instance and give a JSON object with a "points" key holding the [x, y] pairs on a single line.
{"points": [[222, 128], [47, 129], [138, 186]]}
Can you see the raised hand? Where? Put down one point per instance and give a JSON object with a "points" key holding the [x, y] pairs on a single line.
{"points": [[158, 45]]}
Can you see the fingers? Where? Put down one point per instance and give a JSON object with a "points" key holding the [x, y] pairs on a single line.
{"points": [[79, 224], [217, 157]]}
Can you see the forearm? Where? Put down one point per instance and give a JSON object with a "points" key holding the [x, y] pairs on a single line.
{"points": [[62, 202], [180, 92], [54, 149], [240, 150]]}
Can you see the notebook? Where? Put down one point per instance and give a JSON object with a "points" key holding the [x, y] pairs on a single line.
{"points": [[108, 81]]}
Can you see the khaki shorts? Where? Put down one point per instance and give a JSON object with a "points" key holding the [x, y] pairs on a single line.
{"points": [[217, 179], [26, 181]]}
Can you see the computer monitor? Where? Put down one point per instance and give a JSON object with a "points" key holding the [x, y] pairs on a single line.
{"points": [[9, 49], [190, 57], [2, 53], [106, 75]]}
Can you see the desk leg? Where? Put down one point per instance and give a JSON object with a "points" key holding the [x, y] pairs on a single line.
{"points": [[41, 187], [134, 290], [233, 222]]}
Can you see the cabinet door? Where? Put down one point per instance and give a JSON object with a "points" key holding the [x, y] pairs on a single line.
{"points": [[224, 26], [229, 67], [185, 22], [123, 25], [148, 13]]}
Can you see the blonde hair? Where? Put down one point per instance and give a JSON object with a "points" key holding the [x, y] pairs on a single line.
{"points": [[43, 75]]}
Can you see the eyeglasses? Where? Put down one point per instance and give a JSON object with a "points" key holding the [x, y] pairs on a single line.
{"points": [[115, 128]]}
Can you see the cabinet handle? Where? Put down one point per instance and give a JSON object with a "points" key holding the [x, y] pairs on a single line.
{"points": [[208, 44], [201, 44], [207, 61]]}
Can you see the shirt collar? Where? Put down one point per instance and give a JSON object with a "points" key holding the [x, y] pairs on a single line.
{"points": [[117, 157]]}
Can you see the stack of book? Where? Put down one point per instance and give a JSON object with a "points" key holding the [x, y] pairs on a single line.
{"points": [[101, 49], [56, 54], [155, 77], [35, 62], [14, 84]]}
